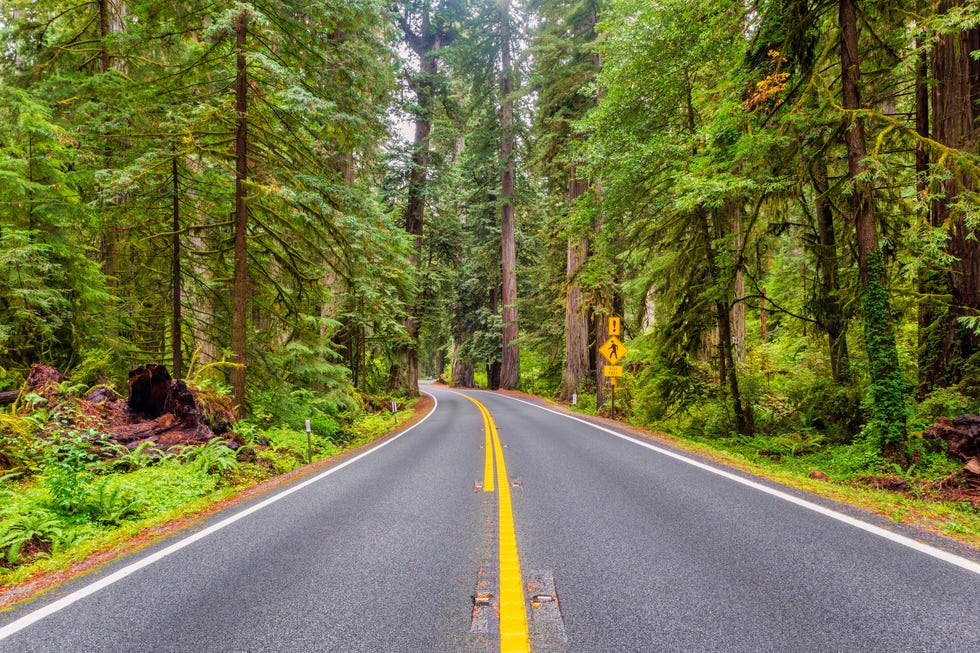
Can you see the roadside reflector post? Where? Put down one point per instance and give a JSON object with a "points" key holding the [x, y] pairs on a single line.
{"points": [[309, 443], [575, 399], [394, 411]]}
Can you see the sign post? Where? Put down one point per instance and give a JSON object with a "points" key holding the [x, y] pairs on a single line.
{"points": [[613, 350], [309, 443]]}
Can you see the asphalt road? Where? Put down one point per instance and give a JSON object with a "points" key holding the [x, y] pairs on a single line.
{"points": [[619, 547]]}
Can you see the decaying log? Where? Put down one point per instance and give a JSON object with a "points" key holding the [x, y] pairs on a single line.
{"points": [[961, 435], [149, 391], [9, 396]]}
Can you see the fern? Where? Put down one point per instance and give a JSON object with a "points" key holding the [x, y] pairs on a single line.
{"points": [[16, 532], [215, 457], [110, 504]]}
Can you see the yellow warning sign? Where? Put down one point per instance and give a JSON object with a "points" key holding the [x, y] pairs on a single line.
{"points": [[615, 326], [613, 350], [612, 370]]}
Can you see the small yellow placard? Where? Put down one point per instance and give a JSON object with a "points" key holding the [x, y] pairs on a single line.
{"points": [[612, 370]]}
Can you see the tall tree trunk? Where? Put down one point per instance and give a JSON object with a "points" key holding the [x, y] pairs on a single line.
{"points": [[462, 372], [829, 311], [176, 326], [510, 358], [738, 305], [947, 345], [763, 317], [931, 282], [575, 371], [728, 373], [108, 238], [887, 385], [426, 45], [241, 286]]}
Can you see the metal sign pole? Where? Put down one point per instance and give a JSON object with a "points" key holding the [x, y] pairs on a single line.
{"points": [[309, 443], [612, 382]]}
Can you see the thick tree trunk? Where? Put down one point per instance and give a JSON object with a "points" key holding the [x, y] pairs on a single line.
{"points": [[738, 305], [575, 371], [931, 282], [829, 311], [462, 372], [109, 236], [426, 45], [241, 286], [947, 345], [510, 358], [887, 385], [176, 325]]}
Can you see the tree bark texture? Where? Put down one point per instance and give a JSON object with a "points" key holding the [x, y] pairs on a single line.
{"points": [[575, 371], [462, 370], [887, 385], [176, 325], [738, 305], [946, 345], [241, 286], [510, 357], [827, 305]]}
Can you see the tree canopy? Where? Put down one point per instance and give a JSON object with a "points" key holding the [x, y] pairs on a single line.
{"points": [[778, 198]]}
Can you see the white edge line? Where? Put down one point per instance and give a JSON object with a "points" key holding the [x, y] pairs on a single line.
{"points": [[945, 556], [48, 610]]}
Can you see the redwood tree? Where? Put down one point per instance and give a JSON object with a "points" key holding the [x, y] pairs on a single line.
{"points": [[510, 359], [888, 388]]}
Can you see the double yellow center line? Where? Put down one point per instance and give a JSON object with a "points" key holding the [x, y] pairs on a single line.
{"points": [[513, 610]]}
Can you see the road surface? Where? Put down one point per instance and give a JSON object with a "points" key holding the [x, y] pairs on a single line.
{"points": [[499, 525]]}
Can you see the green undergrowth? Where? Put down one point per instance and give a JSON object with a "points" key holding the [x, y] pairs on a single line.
{"points": [[66, 493]]}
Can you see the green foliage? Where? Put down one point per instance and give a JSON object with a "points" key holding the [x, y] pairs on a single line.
{"points": [[38, 527], [99, 367], [943, 402], [288, 448], [111, 502], [18, 444], [126, 460], [888, 391], [170, 485], [69, 469], [215, 457]]}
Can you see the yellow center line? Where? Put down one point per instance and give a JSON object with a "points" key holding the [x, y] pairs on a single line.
{"points": [[513, 609], [487, 444], [487, 448]]}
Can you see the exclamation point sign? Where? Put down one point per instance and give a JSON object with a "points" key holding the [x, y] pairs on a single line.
{"points": [[615, 326]]}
